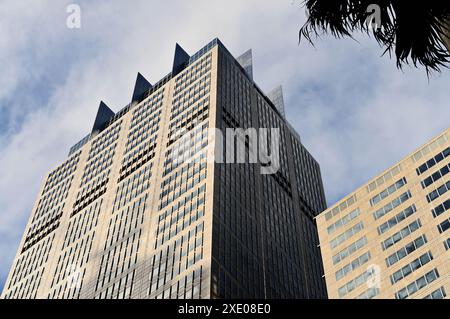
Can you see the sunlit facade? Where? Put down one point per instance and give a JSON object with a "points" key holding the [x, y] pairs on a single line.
{"points": [[390, 238]]}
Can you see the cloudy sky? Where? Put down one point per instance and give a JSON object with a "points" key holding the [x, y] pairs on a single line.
{"points": [[354, 110]]}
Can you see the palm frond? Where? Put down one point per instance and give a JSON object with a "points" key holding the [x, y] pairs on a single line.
{"points": [[415, 33]]}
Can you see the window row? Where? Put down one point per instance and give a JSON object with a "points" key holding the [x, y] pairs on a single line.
{"points": [[185, 86], [175, 181], [392, 205], [82, 224], [388, 191], [187, 187], [348, 234], [401, 234], [437, 294], [31, 261], [175, 258], [104, 141], [397, 219], [191, 96], [383, 179], [132, 187], [438, 192], [369, 293], [405, 251], [144, 133], [187, 122], [361, 260], [173, 163], [349, 250], [144, 125], [61, 173], [193, 69], [444, 226], [98, 165], [415, 286], [430, 163], [411, 267], [338, 209], [52, 200], [442, 208], [354, 283], [201, 103], [121, 289], [436, 176], [186, 217], [153, 104], [343, 221]]}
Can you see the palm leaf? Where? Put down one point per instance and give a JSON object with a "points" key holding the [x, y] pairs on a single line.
{"points": [[415, 33]]}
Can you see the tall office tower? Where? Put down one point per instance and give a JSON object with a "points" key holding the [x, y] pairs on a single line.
{"points": [[447, 36], [124, 217], [389, 238]]}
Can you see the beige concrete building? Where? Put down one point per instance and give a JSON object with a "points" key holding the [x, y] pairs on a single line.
{"points": [[122, 218], [390, 238]]}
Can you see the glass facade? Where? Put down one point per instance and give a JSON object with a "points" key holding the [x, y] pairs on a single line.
{"points": [[123, 217]]}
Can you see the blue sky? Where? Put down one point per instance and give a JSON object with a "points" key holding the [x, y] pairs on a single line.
{"points": [[354, 110]]}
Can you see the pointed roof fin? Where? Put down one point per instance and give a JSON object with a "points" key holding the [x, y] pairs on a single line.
{"points": [[180, 60], [276, 96], [104, 115], [141, 86], [246, 61]]}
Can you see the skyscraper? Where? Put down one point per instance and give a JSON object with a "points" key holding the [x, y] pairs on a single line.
{"points": [[389, 238], [123, 217], [447, 38]]}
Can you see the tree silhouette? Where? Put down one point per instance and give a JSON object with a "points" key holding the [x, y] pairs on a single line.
{"points": [[417, 32]]}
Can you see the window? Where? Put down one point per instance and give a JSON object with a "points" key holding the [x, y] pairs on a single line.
{"points": [[415, 286], [348, 234], [405, 251], [344, 205], [369, 293], [438, 192], [401, 234], [388, 191], [352, 266], [350, 250], [430, 163], [397, 219], [392, 205], [444, 226], [343, 221], [411, 267], [447, 244], [436, 176], [353, 284], [441, 208], [437, 294], [383, 179]]}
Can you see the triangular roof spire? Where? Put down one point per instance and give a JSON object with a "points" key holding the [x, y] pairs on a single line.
{"points": [[246, 61], [276, 96], [180, 60], [141, 86], [104, 115]]}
